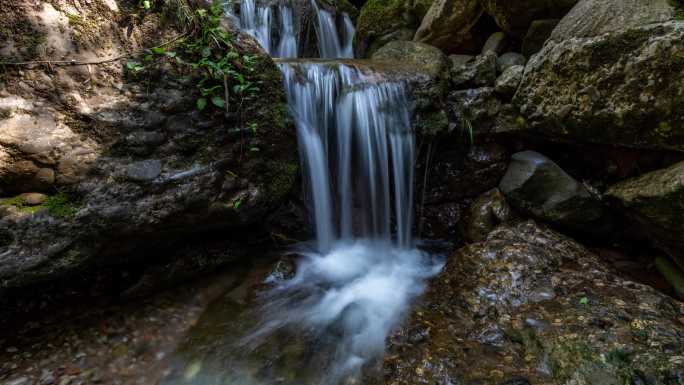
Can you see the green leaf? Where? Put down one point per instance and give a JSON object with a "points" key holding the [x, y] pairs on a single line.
{"points": [[146, 4], [206, 52], [171, 54], [584, 301], [158, 50], [132, 64], [237, 203], [254, 149], [218, 101], [148, 58], [201, 103]]}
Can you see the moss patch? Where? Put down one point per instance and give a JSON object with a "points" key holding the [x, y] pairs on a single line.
{"points": [[58, 205]]}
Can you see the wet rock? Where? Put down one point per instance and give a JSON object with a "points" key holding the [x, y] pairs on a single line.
{"points": [[536, 185], [144, 171], [447, 24], [537, 35], [491, 286], [507, 84], [486, 213], [509, 59], [496, 43], [654, 201], [479, 72], [424, 57], [479, 111], [456, 175], [515, 17], [588, 51]]}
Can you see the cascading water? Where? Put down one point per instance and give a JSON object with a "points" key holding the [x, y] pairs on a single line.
{"points": [[279, 39], [356, 281]]}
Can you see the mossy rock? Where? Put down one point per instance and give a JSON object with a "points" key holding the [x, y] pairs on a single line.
{"points": [[382, 21]]}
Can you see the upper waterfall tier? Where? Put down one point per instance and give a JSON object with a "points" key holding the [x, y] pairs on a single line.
{"points": [[283, 28]]}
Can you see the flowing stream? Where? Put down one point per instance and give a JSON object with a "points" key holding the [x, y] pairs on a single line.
{"points": [[327, 324]]}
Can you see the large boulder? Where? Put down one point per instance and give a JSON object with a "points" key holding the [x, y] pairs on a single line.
{"points": [[536, 185], [592, 18], [382, 21], [424, 58], [656, 201], [447, 24], [622, 77], [530, 306], [515, 17]]}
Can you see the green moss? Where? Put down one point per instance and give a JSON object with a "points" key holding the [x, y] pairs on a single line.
{"points": [[18, 202], [59, 205], [282, 181], [679, 9]]}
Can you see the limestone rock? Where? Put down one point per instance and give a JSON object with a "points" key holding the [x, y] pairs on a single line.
{"points": [[536, 185], [655, 201], [447, 23], [33, 199], [621, 85], [508, 82]]}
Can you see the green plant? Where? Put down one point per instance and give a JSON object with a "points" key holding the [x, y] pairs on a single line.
{"points": [[60, 206], [223, 70]]}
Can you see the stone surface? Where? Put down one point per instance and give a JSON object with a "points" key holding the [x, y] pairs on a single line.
{"points": [[447, 24], [95, 140], [536, 185], [144, 171], [591, 18], [507, 83], [33, 199], [656, 202], [622, 87], [531, 306], [382, 21], [479, 72], [485, 214], [509, 59], [495, 43], [480, 111], [515, 17], [537, 35], [423, 57]]}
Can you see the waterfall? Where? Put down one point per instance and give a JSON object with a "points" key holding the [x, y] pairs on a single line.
{"points": [[341, 112], [257, 20], [357, 150]]}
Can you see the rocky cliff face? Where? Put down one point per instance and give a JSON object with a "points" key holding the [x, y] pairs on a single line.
{"points": [[124, 161]]}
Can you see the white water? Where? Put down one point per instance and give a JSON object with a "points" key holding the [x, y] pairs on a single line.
{"points": [[275, 28], [357, 149]]}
